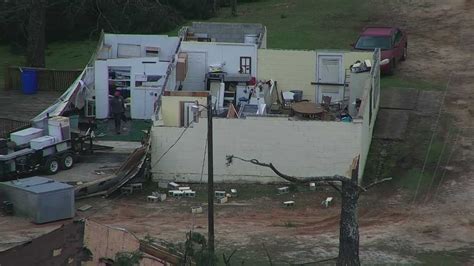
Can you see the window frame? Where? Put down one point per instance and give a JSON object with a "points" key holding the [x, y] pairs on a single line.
{"points": [[245, 66]]}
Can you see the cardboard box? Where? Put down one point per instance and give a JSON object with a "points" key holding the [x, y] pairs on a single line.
{"points": [[59, 128], [182, 66]]}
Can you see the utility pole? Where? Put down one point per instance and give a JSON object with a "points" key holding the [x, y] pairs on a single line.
{"points": [[210, 181]]}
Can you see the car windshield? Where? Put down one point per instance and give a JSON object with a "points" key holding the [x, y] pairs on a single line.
{"points": [[372, 42]]}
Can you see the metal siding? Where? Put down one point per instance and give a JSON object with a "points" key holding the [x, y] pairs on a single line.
{"points": [[43, 202]]}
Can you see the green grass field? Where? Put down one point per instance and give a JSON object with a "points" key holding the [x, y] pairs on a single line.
{"points": [[291, 24]]}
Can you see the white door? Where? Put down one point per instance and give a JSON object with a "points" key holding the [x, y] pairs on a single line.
{"points": [[196, 72], [330, 76], [150, 102]]}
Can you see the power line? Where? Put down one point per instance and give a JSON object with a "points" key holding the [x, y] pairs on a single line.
{"points": [[449, 159], [438, 164], [203, 160], [432, 138], [177, 140]]}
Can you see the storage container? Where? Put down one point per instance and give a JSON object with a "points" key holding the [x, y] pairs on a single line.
{"points": [[29, 81], [59, 128], [26, 135], [41, 199], [41, 142]]}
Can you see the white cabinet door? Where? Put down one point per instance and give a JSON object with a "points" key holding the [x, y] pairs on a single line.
{"points": [[143, 102], [330, 71], [137, 105], [101, 85], [197, 69], [151, 96]]}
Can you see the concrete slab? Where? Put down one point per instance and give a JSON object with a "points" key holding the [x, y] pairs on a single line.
{"points": [[92, 167], [428, 102], [399, 98], [391, 124]]}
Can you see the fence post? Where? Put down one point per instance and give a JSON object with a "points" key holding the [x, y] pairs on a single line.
{"points": [[7, 78]]}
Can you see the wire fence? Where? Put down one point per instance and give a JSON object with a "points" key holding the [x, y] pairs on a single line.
{"points": [[8, 126]]}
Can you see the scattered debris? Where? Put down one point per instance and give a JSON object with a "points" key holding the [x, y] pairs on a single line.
{"points": [[189, 194], [176, 193], [289, 203], [219, 194], [222, 200], [126, 190], [163, 184], [136, 186], [173, 186], [84, 208], [152, 198], [326, 202], [196, 210], [283, 190], [160, 196]]}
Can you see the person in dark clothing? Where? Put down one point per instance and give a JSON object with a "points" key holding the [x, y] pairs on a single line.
{"points": [[117, 106]]}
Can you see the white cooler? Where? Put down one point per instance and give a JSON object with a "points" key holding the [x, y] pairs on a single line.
{"points": [[58, 127], [41, 142], [24, 136]]}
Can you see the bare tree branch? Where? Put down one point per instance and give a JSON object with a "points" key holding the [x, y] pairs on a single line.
{"points": [[334, 186], [293, 179], [377, 182], [350, 191]]}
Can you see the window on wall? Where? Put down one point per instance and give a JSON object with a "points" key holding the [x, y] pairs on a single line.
{"points": [[245, 65]]}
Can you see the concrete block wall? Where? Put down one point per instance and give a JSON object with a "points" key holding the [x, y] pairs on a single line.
{"points": [[300, 148], [227, 32]]}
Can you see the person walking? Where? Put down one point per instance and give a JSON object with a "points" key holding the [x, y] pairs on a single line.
{"points": [[117, 106]]}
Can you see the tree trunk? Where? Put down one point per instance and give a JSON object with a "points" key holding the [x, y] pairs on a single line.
{"points": [[35, 50], [349, 225], [234, 7]]}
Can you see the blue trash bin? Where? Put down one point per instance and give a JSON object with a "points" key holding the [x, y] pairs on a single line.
{"points": [[29, 81]]}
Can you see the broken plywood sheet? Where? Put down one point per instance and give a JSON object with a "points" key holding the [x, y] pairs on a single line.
{"points": [[391, 124], [399, 98]]}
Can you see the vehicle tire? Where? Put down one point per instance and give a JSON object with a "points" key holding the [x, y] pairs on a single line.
{"points": [[67, 161], [51, 166], [405, 53]]}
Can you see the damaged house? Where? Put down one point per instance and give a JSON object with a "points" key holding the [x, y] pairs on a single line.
{"points": [[308, 112]]}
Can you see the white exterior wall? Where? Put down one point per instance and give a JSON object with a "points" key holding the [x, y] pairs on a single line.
{"points": [[299, 148], [229, 53], [137, 67], [167, 45]]}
